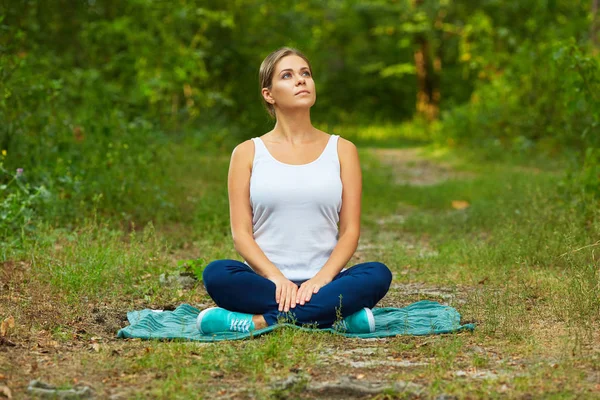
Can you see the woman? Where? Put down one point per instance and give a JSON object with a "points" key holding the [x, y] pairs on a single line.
{"points": [[288, 191]]}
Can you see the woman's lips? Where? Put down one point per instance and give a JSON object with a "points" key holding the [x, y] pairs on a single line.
{"points": [[303, 92]]}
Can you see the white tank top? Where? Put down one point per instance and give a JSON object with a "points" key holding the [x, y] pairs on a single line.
{"points": [[295, 209]]}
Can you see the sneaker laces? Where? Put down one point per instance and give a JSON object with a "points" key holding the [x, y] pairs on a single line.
{"points": [[240, 325]]}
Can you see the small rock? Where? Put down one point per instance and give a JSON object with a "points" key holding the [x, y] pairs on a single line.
{"points": [[44, 390], [361, 350], [181, 280], [478, 349], [5, 392], [444, 396], [374, 363]]}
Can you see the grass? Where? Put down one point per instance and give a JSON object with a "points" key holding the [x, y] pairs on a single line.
{"points": [[514, 261]]}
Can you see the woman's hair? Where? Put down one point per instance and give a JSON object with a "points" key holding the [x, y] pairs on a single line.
{"points": [[267, 70]]}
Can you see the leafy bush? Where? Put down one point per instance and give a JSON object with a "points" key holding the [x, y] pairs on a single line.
{"points": [[554, 106], [546, 99], [86, 154], [18, 204]]}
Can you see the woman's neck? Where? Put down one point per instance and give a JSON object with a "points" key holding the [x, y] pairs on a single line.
{"points": [[295, 128]]}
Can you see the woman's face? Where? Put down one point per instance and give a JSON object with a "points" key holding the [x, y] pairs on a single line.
{"points": [[292, 86]]}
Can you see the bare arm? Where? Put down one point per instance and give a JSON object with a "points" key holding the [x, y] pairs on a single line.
{"points": [[240, 212], [349, 232]]}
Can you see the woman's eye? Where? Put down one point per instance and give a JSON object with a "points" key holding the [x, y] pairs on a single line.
{"points": [[286, 75], [306, 73]]}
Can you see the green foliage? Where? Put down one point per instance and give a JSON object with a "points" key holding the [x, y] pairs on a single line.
{"points": [[193, 266], [85, 153], [18, 204], [97, 98], [557, 108], [582, 181], [94, 262]]}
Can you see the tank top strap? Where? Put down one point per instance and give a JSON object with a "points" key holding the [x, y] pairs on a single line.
{"points": [[260, 150], [331, 150]]}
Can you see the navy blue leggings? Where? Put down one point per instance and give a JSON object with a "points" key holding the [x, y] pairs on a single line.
{"points": [[236, 287]]}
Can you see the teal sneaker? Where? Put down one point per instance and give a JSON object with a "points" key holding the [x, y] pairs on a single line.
{"points": [[360, 322], [216, 319]]}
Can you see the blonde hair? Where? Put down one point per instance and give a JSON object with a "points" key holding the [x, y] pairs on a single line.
{"points": [[267, 70]]}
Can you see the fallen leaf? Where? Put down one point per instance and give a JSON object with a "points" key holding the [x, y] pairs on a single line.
{"points": [[8, 323], [33, 368], [360, 376], [460, 204], [5, 392]]}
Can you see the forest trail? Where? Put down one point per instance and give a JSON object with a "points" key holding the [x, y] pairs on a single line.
{"points": [[410, 167]]}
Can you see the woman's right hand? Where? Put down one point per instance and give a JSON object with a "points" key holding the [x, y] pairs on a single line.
{"points": [[285, 293]]}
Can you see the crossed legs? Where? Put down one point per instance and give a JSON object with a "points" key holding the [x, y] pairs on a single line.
{"points": [[236, 287]]}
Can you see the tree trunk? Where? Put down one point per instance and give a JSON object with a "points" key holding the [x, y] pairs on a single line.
{"points": [[428, 70], [428, 94]]}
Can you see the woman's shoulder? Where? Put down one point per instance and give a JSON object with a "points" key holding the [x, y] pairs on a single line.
{"points": [[243, 152], [345, 143], [244, 147], [345, 146], [347, 152]]}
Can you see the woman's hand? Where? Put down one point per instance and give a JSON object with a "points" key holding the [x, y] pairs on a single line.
{"points": [[285, 293], [310, 287]]}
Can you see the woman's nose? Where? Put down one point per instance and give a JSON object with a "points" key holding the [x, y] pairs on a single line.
{"points": [[300, 80]]}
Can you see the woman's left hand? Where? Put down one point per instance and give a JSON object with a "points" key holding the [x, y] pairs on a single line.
{"points": [[310, 287]]}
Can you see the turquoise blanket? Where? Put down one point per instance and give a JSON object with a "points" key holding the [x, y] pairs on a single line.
{"points": [[420, 318]]}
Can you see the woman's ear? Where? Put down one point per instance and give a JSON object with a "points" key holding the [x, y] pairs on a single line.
{"points": [[267, 96]]}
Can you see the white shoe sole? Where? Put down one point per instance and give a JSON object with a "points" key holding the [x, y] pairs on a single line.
{"points": [[199, 319], [371, 319]]}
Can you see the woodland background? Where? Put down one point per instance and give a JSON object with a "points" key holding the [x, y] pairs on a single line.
{"points": [[478, 129], [96, 95]]}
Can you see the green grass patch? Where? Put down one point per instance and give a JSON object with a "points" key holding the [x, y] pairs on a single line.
{"points": [[513, 256]]}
